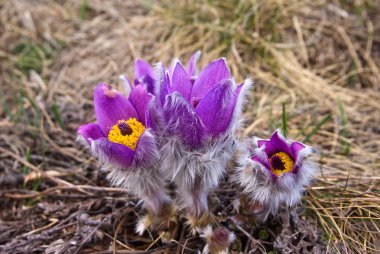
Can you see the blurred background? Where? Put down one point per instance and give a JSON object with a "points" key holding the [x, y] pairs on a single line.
{"points": [[315, 65]]}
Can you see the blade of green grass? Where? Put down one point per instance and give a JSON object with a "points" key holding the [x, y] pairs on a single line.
{"points": [[83, 11], [316, 128], [5, 105], [36, 184], [25, 169], [284, 122], [37, 112], [57, 115]]}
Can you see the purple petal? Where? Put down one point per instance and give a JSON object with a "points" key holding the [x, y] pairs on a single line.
{"points": [[181, 81], [146, 150], [152, 116], [216, 108], [182, 121], [168, 83], [172, 65], [90, 132], [209, 77], [110, 106], [300, 153], [261, 142], [149, 82], [265, 163], [115, 154], [192, 67], [163, 84], [296, 147], [144, 74], [276, 144], [262, 161], [142, 68], [140, 98]]}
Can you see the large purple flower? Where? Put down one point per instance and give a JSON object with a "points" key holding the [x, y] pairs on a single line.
{"points": [[122, 138], [277, 173], [196, 108], [199, 114]]}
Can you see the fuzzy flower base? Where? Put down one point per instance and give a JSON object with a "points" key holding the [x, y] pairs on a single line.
{"points": [[198, 224], [145, 183], [196, 172], [165, 221]]}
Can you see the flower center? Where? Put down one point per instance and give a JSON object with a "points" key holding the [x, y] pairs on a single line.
{"points": [[126, 132], [281, 163]]}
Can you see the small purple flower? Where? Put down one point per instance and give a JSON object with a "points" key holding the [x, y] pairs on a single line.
{"points": [[199, 116], [123, 140], [277, 173]]}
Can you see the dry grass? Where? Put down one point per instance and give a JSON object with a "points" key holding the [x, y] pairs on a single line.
{"points": [[319, 58]]}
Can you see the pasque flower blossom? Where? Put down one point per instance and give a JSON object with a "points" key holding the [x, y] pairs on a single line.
{"points": [[123, 140], [199, 115], [276, 173]]}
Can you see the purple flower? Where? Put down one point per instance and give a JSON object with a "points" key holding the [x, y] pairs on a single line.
{"points": [[119, 137], [199, 107], [199, 116], [122, 138], [277, 173]]}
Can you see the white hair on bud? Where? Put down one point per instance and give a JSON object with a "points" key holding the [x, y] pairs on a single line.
{"points": [[143, 223], [82, 141], [247, 85], [146, 183], [196, 171], [207, 232], [216, 244], [159, 74], [127, 86]]}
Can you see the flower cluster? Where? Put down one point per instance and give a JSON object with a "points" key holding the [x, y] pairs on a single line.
{"points": [[177, 125]]}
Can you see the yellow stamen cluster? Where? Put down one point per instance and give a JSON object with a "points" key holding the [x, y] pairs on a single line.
{"points": [[286, 161], [116, 135]]}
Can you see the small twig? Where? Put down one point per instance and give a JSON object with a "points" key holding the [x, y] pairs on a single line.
{"points": [[53, 222], [137, 251], [246, 233], [90, 235], [155, 241]]}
